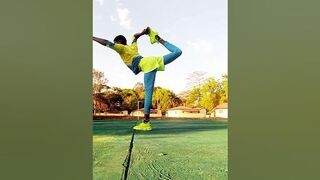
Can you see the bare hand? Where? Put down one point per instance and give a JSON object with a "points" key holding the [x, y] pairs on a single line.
{"points": [[137, 35], [146, 30]]}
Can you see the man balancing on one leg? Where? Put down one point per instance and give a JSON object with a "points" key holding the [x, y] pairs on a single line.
{"points": [[148, 65]]}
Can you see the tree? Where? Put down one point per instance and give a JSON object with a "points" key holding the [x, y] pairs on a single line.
{"points": [[114, 100], [99, 82], [164, 99], [176, 100], [139, 89], [195, 79], [99, 103], [192, 99], [224, 93], [194, 83], [211, 94], [130, 100], [208, 94]]}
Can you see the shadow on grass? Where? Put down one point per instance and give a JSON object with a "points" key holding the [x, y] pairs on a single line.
{"points": [[124, 127]]}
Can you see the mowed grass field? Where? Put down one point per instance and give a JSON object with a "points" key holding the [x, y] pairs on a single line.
{"points": [[174, 149]]}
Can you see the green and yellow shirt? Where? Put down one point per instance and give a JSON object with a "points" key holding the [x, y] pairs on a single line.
{"points": [[126, 52], [131, 57]]}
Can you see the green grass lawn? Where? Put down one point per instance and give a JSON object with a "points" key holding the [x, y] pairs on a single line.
{"points": [[175, 149]]}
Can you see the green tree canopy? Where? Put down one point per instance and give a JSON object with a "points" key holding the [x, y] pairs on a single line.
{"points": [[130, 99], [208, 94], [210, 91], [164, 99]]}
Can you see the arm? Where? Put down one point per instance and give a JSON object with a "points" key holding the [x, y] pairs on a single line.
{"points": [[137, 35], [103, 41]]}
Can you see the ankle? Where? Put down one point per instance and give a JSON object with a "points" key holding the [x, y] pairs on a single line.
{"points": [[146, 118], [160, 40]]}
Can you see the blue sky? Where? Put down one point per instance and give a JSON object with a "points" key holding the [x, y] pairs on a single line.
{"points": [[199, 28]]}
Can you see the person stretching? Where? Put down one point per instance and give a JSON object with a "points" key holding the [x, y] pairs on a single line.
{"points": [[148, 65]]}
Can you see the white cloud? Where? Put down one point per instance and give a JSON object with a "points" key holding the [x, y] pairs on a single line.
{"points": [[101, 2], [200, 45], [123, 15]]}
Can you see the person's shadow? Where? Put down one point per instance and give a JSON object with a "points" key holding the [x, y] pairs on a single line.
{"points": [[124, 127]]}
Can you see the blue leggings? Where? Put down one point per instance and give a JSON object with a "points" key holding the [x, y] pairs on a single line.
{"points": [[150, 77]]}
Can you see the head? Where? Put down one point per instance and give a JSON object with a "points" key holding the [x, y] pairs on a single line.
{"points": [[120, 39]]}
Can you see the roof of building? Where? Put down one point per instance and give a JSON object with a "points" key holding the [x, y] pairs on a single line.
{"points": [[151, 110], [222, 106], [184, 108]]}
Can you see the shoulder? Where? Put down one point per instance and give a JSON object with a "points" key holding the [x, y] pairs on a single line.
{"points": [[118, 47], [134, 45]]}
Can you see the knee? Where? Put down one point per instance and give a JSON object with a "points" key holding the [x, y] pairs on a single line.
{"points": [[178, 52]]}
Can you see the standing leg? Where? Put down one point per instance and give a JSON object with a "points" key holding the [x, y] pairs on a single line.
{"points": [[149, 79]]}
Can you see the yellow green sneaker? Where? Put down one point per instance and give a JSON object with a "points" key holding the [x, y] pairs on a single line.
{"points": [[152, 35], [143, 126]]}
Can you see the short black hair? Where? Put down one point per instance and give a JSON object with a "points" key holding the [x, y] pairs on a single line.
{"points": [[120, 39]]}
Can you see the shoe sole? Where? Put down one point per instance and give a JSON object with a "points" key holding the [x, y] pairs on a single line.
{"points": [[142, 129]]}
